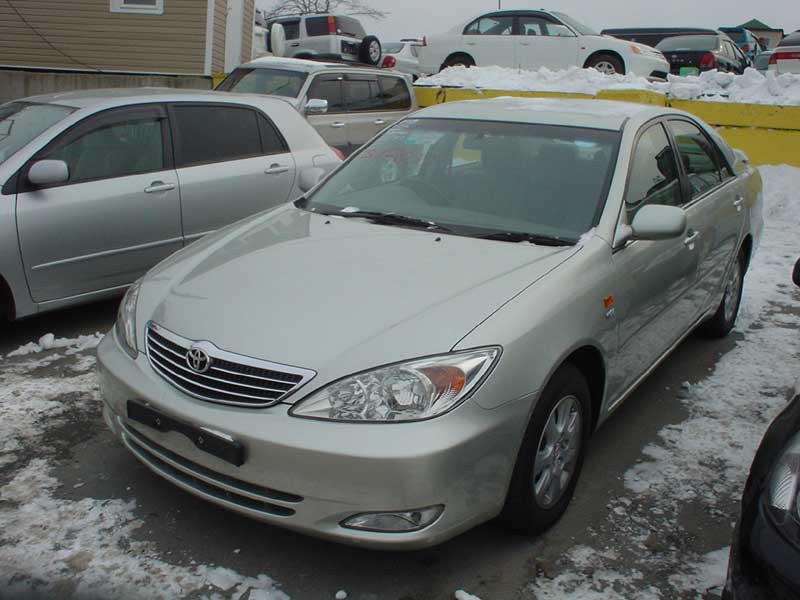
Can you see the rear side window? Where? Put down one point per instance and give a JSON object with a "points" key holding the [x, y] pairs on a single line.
{"points": [[653, 176], [394, 93], [272, 141], [363, 95], [209, 134], [700, 159], [346, 26], [499, 25], [330, 89], [290, 27]]}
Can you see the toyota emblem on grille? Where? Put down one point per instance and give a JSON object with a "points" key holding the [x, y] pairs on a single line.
{"points": [[198, 360]]}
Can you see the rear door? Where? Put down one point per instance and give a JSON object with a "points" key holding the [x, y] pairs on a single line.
{"points": [[116, 216], [232, 162], [541, 42], [332, 126], [374, 102], [490, 40]]}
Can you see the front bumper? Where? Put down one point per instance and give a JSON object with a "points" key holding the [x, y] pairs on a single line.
{"points": [[647, 66], [310, 475]]}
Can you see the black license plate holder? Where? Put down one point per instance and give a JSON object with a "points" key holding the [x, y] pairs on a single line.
{"points": [[208, 441]]}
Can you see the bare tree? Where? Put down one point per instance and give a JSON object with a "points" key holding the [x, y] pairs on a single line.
{"points": [[356, 8]]}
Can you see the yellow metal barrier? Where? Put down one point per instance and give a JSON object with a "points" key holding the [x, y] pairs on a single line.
{"points": [[768, 134]]}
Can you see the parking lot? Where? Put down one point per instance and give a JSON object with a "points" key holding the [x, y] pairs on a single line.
{"points": [[652, 516]]}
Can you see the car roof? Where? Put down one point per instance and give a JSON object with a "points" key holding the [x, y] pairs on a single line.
{"points": [[113, 97], [595, 114], [307, 66], [793, 39]]}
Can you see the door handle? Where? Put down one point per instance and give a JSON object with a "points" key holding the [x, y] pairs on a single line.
{"points": [[379, 122], [337, 125], [524, 43], [276, 169], [738, 203], [689, 241], [295, 44], [470, 43], [159, 186]]}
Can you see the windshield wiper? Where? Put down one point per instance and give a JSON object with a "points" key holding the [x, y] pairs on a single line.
{"points": [[519, 236], [394, 219]]}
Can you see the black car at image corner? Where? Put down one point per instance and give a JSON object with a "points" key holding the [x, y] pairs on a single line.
{"points": [[765, 555], [650, 36], [692, 54]]}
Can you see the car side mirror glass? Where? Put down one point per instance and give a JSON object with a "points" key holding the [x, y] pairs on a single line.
{"points": [[310, 178], [658, 222], [48, 172], [796, 274], [316, 106]]}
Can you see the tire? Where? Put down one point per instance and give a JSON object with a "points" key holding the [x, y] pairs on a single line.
{"points": [[525, 510], [455, 60], [606, 63], [724, 319], [370, 52]]}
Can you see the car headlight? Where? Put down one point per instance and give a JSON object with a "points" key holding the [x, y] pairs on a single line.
{"points": [[126, 320], [783, 490], [407, 391]]}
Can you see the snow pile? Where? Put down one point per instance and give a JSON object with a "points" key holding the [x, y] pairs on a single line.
{"points": [[50, 342], [752, 87]]}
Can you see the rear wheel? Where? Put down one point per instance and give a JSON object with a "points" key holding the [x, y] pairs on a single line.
{"points": [[370, 51], [456, 60], [724, 319], [551, 456], [607, 63]]}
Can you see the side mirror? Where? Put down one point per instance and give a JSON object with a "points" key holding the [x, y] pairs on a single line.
{"points": [[309, 178], [48, 172], [316, 106], [796, 274], [654, 222]]}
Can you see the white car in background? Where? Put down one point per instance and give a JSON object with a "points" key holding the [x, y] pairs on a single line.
{"points": [[402, 56], [786, 56], [530, 39]]}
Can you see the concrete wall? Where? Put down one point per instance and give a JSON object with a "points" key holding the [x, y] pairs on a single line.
{"points": [[21, 83]]}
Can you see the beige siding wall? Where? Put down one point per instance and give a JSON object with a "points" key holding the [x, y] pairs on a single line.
{"points": [[220, 18], [248, 22], [85, 34]]}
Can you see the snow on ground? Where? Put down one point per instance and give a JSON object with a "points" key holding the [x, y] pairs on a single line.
{"points": [[751, 87], [703, 462], [46, 539]]}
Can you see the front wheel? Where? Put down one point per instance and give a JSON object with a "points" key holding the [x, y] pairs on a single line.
{"points": [[607, 63], [457, 60], [724, 319], [551, 456]]}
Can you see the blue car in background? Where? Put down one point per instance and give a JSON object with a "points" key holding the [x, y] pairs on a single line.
{"points": [[744, 38]]}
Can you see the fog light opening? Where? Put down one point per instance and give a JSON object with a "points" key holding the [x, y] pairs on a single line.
{"points": [[394, 521]]}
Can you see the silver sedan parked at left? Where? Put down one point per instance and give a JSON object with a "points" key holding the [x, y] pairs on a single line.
{"points": [[98, 186]]}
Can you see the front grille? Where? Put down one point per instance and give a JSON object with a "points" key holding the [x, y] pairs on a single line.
{"points": [[207, 482], [230, 379]]}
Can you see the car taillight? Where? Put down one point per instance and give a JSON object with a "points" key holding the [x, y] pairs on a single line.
{"points": [[746, 48], [389, 62], [776, 56], [338, 153], [709, 61], [424, 40], [332, 25]]}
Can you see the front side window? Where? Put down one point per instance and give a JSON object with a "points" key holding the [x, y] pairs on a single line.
{"points": [[653, 177], [478, 178], [21, 122], [209, 134], [529, 25], [330, 89], [272, 82], [114, 150], [698, 155], [152, 7], [500, 25]]}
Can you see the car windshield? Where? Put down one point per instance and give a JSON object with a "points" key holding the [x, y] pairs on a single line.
{"points": [[273, 82], [510, 181], [689, 42], [737, 36], [576, 25], [392, 47], [21, 122]]}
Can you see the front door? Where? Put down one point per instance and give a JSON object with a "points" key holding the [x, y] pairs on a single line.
{"points": [[231, 163], [543, 43], [490, 40], [331, 126], [116, 216]]}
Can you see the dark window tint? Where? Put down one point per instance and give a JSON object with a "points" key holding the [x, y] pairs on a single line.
{"points": [[491, 26], [330, 89], [291, 27], [207, 134], [689, 42], [395, 94], [698, 155], [529, 25], [363, 94], [653, 177], [271, 140], [114, 150], [272, 82], [347, 26]]}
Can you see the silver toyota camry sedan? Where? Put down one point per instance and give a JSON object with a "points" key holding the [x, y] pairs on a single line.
{"points": [[427, 338]]}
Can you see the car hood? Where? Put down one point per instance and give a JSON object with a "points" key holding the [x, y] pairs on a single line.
{"points": [[337, 295]]}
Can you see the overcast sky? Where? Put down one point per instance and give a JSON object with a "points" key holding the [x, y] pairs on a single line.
{"points": [[414, 18]]}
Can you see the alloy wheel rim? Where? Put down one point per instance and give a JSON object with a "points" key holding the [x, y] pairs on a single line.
{"points": [[732, 292], [606, 67], [374, 51], [557, 452]]}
